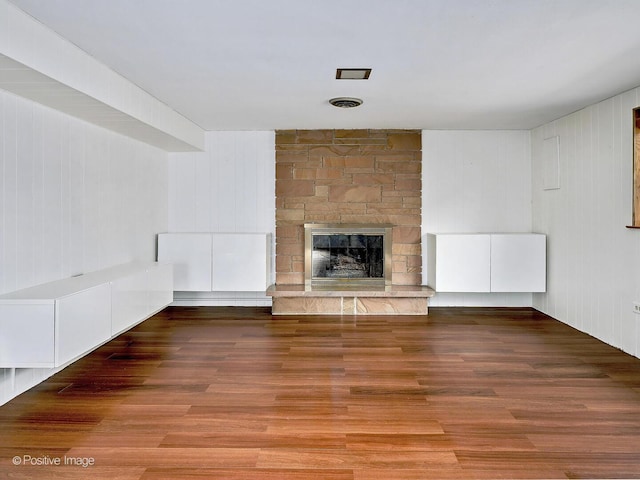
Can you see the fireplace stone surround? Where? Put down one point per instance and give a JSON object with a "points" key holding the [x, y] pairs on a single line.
{"points": [[349, 177]]}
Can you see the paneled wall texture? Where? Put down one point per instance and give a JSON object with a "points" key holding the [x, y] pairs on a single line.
{"points": [[348, 176], [593, 267], [74, 198], [476, 181]]}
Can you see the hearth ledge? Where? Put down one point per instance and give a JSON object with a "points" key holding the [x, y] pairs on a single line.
{"points": [[394, 300], [393, 291]]}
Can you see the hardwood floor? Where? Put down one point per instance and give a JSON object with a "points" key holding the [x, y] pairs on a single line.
{"points": [[233, 393]]}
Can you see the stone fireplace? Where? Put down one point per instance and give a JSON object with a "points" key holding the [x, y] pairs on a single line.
{"points": [[367, 178]]}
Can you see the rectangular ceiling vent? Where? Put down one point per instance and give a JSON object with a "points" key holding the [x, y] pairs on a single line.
{"points": [[353, 73]]}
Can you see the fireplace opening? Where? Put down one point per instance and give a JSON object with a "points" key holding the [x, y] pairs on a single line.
{"points": [[341, 256], [347, 256]]}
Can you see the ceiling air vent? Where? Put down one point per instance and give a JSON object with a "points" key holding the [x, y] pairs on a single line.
{"points": [[353, 73], [345, 102]]}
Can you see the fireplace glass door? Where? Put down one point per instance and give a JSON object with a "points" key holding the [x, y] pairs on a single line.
{"points": [[347, 256], [340, 256]]}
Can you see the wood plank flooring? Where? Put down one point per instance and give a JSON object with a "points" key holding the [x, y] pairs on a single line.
{"points": [[234, 393]]}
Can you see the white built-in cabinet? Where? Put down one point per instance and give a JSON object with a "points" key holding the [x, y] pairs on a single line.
{"points": [[52, 324], [140, 294], [191, 256], [486, 262], [217, 262]]}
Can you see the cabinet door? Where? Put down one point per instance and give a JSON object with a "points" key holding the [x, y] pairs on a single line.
{"points": [[27, 335], [190, 254], [463, 263], [83, 321], [240, 262], [129, 301], [518, 263], [160, 284]]}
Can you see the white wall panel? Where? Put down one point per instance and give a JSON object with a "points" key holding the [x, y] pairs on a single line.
{"points": [[203, 194], [594, 261], [52, 226], [3, 129], [25, 208], [182, 192], [476, 182], [73, 198], [9, 194], [230, 188]]}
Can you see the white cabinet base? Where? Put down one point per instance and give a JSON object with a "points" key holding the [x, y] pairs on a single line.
{"points": [[518, 263], [50, 325], [82, 320], [217, 262], [463, 263], [480, 263], [190, 254], [27, 335]]}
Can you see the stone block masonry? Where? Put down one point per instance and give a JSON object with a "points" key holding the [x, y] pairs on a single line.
{"points": [[348, 176]]}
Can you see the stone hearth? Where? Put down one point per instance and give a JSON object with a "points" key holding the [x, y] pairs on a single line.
{"points": [[396, 300]]}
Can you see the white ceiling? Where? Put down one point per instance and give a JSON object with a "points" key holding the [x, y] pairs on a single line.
{"points": [[437, 64]]}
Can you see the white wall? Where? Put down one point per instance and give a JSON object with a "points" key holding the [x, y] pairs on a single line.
{"points": [[230, 187], [476, 181], [71, 80], [594, 261], [73, 198]]}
